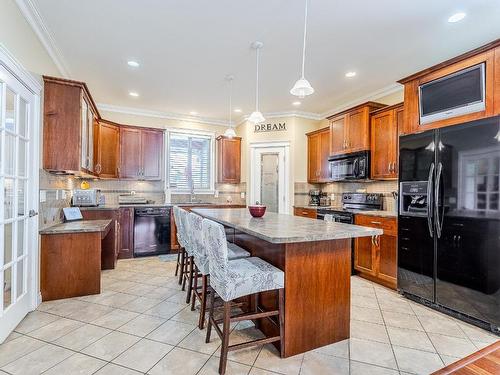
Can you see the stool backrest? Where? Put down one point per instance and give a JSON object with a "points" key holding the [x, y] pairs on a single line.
{"points": [[197, 241], [216, 245], [328, 217], [178, 224], [185, 227]]}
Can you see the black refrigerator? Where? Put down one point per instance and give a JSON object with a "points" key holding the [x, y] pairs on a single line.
{"points": [[449, 220]]}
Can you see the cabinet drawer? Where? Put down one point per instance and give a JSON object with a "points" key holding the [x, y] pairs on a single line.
{"points": [[388, 225], [305, 212]]}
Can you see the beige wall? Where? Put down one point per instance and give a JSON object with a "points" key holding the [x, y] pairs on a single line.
{"points": [[18, 37]]}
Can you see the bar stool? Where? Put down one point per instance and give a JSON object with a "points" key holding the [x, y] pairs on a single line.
{"points": [[201, 268], [182, 252], [232, 279], [188, 261]]}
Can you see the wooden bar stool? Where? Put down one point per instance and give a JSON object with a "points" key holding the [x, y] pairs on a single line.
{"points": [[232, 279], [201, 268]]}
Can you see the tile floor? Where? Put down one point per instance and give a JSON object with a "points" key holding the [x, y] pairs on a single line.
{"points": [[140, 324]]}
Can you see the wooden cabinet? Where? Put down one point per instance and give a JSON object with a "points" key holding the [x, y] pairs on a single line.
{"points": [[350, 129], [106, 149], [228, 160], [376, 257], [305, 212], [488, 54], [68, 127], [318, 150], [384, 142], [126, 227], [141, 153]]}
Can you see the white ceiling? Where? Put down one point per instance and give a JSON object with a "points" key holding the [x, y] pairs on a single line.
{"points": [[187, 47]]}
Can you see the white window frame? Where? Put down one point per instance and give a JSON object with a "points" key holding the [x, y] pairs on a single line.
{"points": [[208, 134]]}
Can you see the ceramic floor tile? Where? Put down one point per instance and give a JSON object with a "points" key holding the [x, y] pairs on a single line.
{"points": [[180, 361], [56, 329], [417, 361], [399, 306], [115, 318], [165, 309], [258, 371], [232, 368], [477, 334], [90, 312], [162, 293], [117, 299], [186, 316], [140, 290], [320, 364], [82, 337], [196, 341], [338, 349], [359, 368], [112, 369], [77, 364], [69, 307], [375, 353], [442, 325], [13, 335], [452, 346], [369, 331], [269, 359], [364, 301], [142, 325], [38, 361], [410, 339], [17, 348], [171, 332], [34, 320], [245, 356], [140, 304], [111, 346], [96, 298], [399, 320], [448, 360], [143, 355], [366, 314]]}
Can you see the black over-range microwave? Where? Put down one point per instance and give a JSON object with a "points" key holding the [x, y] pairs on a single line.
{"points": [[349, 167]]}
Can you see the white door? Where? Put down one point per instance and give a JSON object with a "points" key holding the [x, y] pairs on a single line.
{"points": [[269, 177], [18, 200]]}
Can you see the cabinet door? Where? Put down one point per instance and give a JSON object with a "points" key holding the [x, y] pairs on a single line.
{"points": [[313, 162], [108, 150], [229, 160], [130, 152], [151, 145], [358, 132], [324, 153], [382, 138], [337, 135], [364, 255], [310, 213], [387, 258], [126, 233]]}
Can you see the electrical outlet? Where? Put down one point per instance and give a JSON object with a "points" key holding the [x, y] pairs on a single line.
{"points": [[242, 195], [63, 194], [43, 196], [216, 194]]}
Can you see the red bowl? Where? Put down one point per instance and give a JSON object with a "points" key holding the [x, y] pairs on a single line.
{"points": [[257, 210]]}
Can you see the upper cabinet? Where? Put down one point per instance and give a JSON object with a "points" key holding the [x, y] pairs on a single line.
{"points": [[228, 160], [384, 142], [318, 150], [350, 129], [487, 56], [106, 149], [68, 127], [141, 151]]}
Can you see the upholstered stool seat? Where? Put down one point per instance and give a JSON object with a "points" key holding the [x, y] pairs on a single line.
{"points": [[236, 252]]}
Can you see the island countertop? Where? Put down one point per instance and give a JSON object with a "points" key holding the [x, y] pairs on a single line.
{"points": [[283, 228], [80, 226]]}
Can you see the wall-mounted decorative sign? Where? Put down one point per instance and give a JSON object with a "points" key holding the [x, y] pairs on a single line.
{"points": [[279, 127]]}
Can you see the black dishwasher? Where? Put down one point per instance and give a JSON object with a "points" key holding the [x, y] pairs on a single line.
{"points": [[151, 231]]}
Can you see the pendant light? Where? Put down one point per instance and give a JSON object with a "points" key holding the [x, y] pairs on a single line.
{"points": [[230, 133], [256, 117], [302, 87]]}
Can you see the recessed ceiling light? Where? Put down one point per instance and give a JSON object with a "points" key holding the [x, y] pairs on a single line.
{"points": [[457, 17], [133, 63], [237, 110], [193, 113], [297, 103], [350, 74], [134, 94]]}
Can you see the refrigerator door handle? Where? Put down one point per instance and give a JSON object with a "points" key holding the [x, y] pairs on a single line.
{"points": [[439, 223], [429, 200]]}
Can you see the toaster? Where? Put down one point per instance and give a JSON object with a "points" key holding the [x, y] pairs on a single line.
{"points": [[86, 198]]}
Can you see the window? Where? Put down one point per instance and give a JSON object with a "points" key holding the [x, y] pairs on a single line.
{"points": [[190, 161], [479, 188]]}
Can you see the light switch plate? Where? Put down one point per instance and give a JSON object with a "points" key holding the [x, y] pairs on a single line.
{"points": [[43, 196]]}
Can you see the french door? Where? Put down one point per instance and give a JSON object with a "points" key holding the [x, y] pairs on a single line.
{"points": [[18, 200]]}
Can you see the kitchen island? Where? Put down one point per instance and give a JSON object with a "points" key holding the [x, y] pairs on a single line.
{"points": [[316, 258]]}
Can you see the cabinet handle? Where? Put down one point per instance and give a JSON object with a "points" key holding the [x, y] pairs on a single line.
{"points": [[304, 213], [394, 167], [376, 222], [373, 240], [377, 241]]}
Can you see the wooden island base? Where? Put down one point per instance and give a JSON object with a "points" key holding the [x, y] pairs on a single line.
{"points": [[317, 290]]}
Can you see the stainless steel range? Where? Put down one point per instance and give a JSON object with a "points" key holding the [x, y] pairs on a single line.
{"points": [[352, 203]]}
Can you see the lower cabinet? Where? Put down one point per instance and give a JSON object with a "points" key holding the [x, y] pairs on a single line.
{"points": [[376, 257], [126, 233], [305, 212]]}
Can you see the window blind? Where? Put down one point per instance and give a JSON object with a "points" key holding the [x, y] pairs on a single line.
{"points": [[189, 161]]}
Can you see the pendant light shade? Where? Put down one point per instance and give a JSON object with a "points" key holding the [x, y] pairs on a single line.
{"points": [[230, 133], [256, 117], [302, 87]]}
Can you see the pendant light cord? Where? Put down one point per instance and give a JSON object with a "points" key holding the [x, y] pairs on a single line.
{"points": [[257, 83], [230, 102], [304, 45]]}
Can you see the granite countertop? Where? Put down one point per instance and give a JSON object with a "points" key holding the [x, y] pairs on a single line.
{"points": [[118, 206], [80, 226], [282, 228], [381, 213]]}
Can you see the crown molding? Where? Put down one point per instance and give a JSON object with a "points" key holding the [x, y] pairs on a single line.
{"points": [[160, 114], [391, 89], [34, 19], [9, 62]]}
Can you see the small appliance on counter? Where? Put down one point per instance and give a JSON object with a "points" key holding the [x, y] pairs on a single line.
{"points": [[314, 197], [87, 197], [324, 200], [132, 199]]}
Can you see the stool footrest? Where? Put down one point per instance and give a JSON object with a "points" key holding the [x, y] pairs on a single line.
{"points": [[247, 344], [254, 315]]}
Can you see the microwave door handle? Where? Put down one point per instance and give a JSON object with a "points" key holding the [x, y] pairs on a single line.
{"points": [[429, 200], [355, 168]]}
